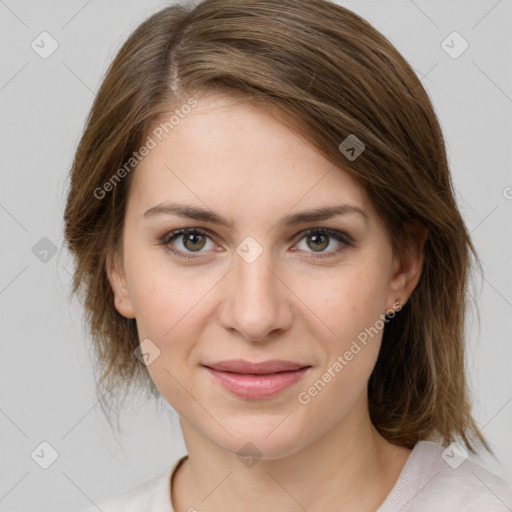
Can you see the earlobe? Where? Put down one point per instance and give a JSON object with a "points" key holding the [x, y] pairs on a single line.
{"points": [[117, 280], [408, 268]]}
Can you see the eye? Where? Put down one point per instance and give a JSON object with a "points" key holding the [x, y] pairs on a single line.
{"points": [[320, 238], [193, 240]]}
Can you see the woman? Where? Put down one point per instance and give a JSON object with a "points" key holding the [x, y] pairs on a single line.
{"points": [[266, 236]]}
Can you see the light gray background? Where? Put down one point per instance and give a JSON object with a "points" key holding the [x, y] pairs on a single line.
{"points": [[47, 390]]}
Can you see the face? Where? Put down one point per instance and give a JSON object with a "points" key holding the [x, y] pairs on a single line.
{"points": [[259, 288]]}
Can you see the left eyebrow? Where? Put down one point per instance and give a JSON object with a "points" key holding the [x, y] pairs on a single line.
{"points": [[201, 214], [324, 213]]}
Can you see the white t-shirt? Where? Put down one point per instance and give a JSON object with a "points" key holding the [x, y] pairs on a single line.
{"points": [[428, 483]]}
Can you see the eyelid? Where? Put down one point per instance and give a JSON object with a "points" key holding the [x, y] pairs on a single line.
{"points": [[340, 236], [334, 233]]}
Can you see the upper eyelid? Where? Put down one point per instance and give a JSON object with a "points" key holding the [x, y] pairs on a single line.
{"points": [[346, 238]]}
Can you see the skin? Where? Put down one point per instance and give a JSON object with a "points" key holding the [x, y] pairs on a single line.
{"points": [[243, 164]]}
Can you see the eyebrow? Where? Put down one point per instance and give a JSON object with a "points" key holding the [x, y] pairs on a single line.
{"points": [[205, 215]]}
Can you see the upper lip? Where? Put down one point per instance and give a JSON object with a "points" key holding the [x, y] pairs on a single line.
{"points": [[263, 367]]}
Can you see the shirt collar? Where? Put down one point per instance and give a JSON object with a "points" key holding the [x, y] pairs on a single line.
{"points": [[161, 501]]}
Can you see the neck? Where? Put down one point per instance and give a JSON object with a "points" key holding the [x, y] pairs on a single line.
{"points": [[350, 467]]}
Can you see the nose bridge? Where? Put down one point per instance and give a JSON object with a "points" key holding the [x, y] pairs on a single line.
{"points": [[255, 277], [256, 305]]}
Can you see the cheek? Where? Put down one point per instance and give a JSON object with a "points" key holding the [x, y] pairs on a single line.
{"points": [[171, 307], [352, 311], [154, 298], [345, 303]]}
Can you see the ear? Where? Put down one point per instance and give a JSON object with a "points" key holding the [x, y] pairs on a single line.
{"points": [[117, 279], [407, 269]]}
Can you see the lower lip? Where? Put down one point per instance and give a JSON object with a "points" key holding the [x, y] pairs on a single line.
{"points": [[257, 386]]}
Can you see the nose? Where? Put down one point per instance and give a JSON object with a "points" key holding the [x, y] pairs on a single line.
{"points": [[257, 301]]}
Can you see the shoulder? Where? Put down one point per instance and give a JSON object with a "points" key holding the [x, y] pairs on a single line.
{"points": [[438, 479], [137, 499]]}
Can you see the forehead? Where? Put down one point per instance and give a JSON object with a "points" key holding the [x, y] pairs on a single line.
{"points": [[228, 153]]}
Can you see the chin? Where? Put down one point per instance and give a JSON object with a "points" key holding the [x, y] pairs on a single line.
{"points": [[260, 438]]}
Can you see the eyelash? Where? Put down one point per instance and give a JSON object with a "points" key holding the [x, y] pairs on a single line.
{"points": [[337, 235]]}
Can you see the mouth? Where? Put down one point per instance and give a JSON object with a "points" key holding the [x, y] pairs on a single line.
{"points": [[256, 380]]}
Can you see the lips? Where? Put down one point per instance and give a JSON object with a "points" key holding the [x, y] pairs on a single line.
{"points": [[251, 380], [255, 368]]}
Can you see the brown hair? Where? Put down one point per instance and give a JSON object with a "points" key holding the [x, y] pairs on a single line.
{"points": [[329, 74]]}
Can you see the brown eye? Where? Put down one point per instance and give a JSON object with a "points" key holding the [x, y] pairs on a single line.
{"points": [[193, 241], [318, 242]]}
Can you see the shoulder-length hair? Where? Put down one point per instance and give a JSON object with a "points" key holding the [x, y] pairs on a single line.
{"points": [[330, 74]]}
